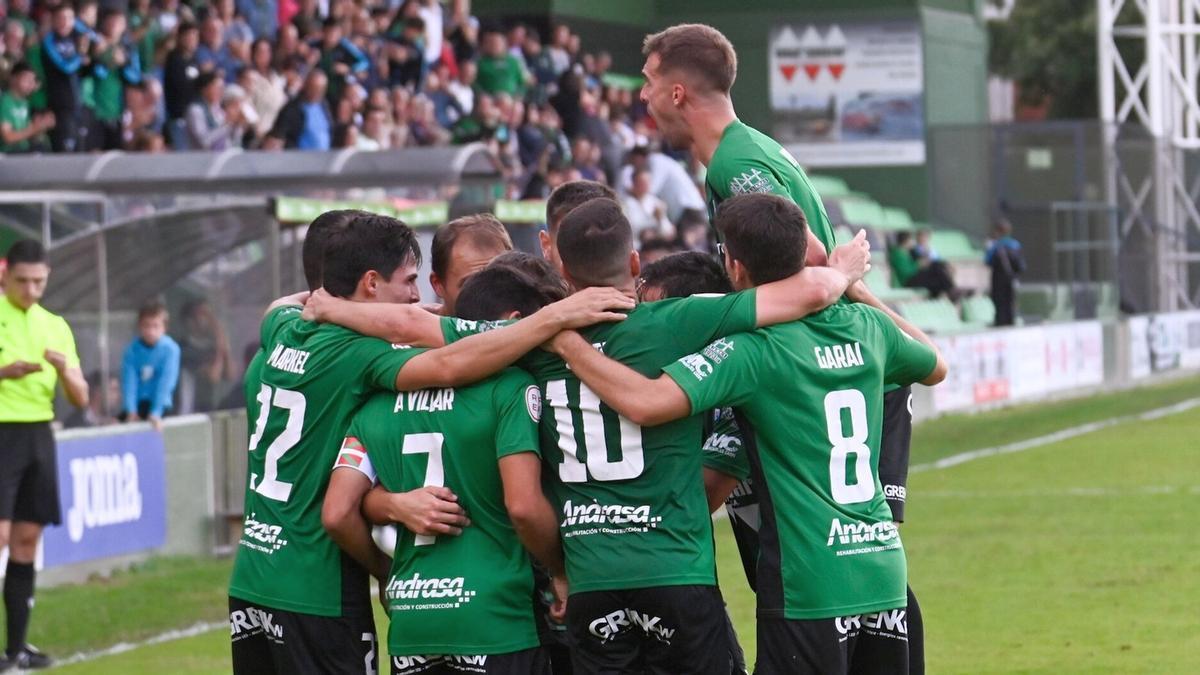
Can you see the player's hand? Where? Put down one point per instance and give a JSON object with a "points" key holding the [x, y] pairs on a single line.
{"points": [[18, 369], [558, 610], [852, 258], [317, 307], [431, 510], [589, 306], [56, 359]]}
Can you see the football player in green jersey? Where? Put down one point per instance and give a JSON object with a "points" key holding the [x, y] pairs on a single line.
{"points": [[635, 521], [689, 71], [297, 603], [831, 570], [467, 599]]}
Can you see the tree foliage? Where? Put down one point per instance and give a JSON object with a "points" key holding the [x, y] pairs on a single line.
{"points": [[1048, 47]]}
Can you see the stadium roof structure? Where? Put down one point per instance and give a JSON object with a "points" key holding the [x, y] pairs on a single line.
{"points": [[246, 171]]}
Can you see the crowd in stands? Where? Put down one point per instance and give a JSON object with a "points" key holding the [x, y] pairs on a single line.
{"points": [[162, 75]]}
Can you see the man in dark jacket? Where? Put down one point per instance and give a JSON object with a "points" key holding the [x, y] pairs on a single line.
{"points": [[306, 122], [1004, 257], [64, 57]]}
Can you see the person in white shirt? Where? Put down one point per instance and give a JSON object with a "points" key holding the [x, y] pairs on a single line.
{"points": [[644, 210], [430, 12], [669, 181]]}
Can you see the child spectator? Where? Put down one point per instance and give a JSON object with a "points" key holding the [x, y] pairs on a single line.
{"points": [[150, 369]]}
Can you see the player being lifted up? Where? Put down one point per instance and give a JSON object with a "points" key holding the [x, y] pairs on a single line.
{"points": [[454, 601], [831, 566], [297, 603], [635, 523]]}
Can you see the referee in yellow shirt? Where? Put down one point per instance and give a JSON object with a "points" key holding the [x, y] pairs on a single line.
{"points": [[36, 351]]}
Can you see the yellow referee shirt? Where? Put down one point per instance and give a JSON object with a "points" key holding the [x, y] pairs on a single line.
{"points": [[25, 336]]}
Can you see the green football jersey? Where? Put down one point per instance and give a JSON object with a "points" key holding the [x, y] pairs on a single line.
{"points": [[470, 594], [632, 503], [747, 160], [811, 393], [313, 379]]}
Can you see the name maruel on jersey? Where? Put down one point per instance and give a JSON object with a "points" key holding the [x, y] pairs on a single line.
{"points": [[425, 400], [839, 356], [288, 359]]}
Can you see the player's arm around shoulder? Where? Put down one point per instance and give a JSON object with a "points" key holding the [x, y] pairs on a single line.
{"points": [[644, 401], [912, 355], [396, 323], [814, 288]]}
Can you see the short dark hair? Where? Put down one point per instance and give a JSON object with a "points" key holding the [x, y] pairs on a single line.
{"points": [[367, 242], [766, 233], [205, 79], [26, 251], [594, 242], [566, 197], [21, 67], [497, 290], [700, 51], [480, 229], [152, 309], [186, 26], [539, 269], [682, 274], [313, 249]]}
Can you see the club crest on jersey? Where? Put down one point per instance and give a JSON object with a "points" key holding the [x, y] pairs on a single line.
{"points": [[718, 350], [751, 181], [839, 356], [533, 402]]}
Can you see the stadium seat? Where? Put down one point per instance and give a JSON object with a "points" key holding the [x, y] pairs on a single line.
{"points": [[829, 186], [953, 245], [896, 219], [978, 311], [1109, 304], [862, 213], [935, 316], [879, 281], [1035, 302]]}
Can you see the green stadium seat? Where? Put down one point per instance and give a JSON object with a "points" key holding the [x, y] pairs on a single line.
{"points": [[934, 316], [1035, 301], [896, 219], [862, 213], [954, 245], [1108, 306], [829, 186], [1063, 308], [979, 311]]}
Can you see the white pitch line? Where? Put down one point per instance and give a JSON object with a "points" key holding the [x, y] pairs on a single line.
{"points": [[1148, 490], [1061, 435], [122, 647]]}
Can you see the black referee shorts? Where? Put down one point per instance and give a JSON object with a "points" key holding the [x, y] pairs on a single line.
{"points": [[29, 473]]}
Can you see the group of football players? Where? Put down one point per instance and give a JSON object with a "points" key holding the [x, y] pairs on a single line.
{"points": [[546, 448]]}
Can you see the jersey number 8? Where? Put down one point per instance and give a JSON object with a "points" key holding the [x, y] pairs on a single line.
{"points": [[844, 445]]}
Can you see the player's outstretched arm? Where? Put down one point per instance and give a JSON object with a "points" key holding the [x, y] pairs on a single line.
{"points": [[814, 288], [432, 510], [396, 323], [288, 300], [343, 520], [860, 293], [479, 356], [641, 400]]}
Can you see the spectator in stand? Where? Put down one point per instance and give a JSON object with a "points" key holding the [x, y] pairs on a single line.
{"points": [[406, 53], [20, 130], [923, 250], [374, 134], [216, 120], [150, 369], [1004, 256], [646, 213], [433, 18], [586, 158], [695, 234], [423, 129], [499, 71], [540, 66], [340, 59], [12, 49], [559, 57], [265, 87], [19, 12], [205, 357], [117, 65], [141, 113], [211, 54], [463, 87], [308, 19], [261, 15], [669, 181], [306, 122], [654, 249], [911, 272], [64, 57], [179, 81], [484, 125], [344, 136], [446, 107]]}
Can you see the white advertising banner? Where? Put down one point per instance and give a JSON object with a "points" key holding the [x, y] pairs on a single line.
{"points": [[1019, 364], [849, 93], [1163, 342]]}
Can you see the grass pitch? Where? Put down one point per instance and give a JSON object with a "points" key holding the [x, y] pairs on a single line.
{"points": [[1074, 557]]}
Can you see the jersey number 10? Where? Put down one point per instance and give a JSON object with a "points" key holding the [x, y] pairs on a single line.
{"points": [[630, 460]]}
